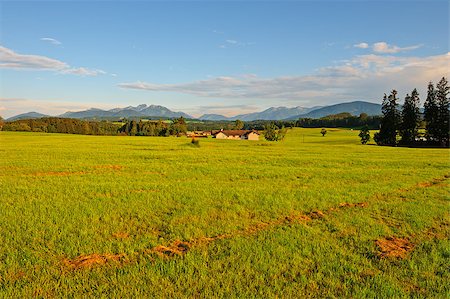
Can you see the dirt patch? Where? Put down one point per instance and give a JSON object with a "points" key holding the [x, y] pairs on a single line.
{"points": [[425, 184], [58, 173], [91, 260], [434, 182], [154, 172], [113, 167], [393, 247], [121, 235], [179, 248], [317, 214], [439, 230], [297, 218], [176, 249], [352, 205]]}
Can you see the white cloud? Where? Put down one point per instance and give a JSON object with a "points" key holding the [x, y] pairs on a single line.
{"points": [[361, 45], [383, 47], [81, 71], [362, 77], [231, 41], [12, 60], [51, 40]]}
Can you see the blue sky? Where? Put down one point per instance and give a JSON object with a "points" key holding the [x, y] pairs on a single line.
{"points": [[223, 57]]}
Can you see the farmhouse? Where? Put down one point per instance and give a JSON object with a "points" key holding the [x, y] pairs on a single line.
{"points": [[198, 134], [236, 134]]}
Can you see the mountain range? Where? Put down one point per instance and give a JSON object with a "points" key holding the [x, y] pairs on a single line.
{"points": [[272, 113]]}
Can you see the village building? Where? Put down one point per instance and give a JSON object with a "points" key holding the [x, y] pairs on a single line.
{"points": [[236, 134], [198, 134]]}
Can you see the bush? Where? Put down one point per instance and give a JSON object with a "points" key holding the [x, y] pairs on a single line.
{"points": [[364, 134], [195, 142]]}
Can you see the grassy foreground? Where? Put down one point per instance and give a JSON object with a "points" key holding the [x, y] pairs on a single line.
{"points": [[94, 216]]}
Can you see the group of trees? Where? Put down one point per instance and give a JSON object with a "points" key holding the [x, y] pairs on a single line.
{"points": [[62, 125], [405, 122], [340, 120], [154, 128], [273, 133]]}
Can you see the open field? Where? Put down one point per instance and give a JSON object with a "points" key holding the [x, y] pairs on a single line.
{"points": [[99, 216]]}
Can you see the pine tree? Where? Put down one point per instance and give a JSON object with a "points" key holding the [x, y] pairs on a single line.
{"points": [[410, 118], [431, 114], [390, 121], [442, 91]]}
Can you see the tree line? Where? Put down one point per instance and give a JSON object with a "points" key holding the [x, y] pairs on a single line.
{"points": [[404, 123], [62, 125], [341, 120], [154, 128]]}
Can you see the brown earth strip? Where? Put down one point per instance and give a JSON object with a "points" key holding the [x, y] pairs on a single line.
{"points": [[58, 173], [393, 247], [90, 260], [121, 235], [389, 247], [113, 167], [179, 248]]}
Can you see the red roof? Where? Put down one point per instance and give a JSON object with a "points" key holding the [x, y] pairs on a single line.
{"points": [[235, 132]]}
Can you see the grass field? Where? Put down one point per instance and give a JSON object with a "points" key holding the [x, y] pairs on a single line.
{"points": [[99, 216]]}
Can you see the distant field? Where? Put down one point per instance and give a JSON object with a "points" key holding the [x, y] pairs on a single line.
{"points": [[118, 216]]}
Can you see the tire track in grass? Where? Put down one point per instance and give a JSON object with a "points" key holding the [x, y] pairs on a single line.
{"points": [[390, 246], [179, 248]]}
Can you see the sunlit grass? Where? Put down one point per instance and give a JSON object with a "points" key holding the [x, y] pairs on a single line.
{"points": [[64, 196]]}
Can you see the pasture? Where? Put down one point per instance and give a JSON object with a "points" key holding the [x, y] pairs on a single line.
{"points": [[119, 216]]}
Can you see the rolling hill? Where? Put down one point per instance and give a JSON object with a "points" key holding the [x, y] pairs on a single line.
{"points": [[28, 115], [354, 108]]}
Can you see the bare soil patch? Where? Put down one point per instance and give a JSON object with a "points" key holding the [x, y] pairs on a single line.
{"points": [[176, 249], [317, 214], [352, 205], [113, 167], [393, 247], [121, 235], [179, 248], [58, 173], [91, 260]]}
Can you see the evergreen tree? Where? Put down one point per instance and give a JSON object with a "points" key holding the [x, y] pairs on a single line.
{"points": [[390, 121], [410, 118], [443, 115], [431, 114], [133, 128], [364, 134]]}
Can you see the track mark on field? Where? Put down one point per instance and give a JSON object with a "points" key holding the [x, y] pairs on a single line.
{"points": [[113, 167], [96, 169], [88, 261], [441, 181], [393, 247], [58, 173], [179, 248]]}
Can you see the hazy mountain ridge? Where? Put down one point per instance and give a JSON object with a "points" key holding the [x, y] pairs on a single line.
{"points": [[272, 113], [354, 108], [139, 111], [27, 115]]}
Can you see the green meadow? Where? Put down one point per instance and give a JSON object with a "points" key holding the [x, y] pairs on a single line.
{"points": [[310, 216]]}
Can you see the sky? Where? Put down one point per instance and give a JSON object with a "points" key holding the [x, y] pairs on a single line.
{"points": [[224, 57]]}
